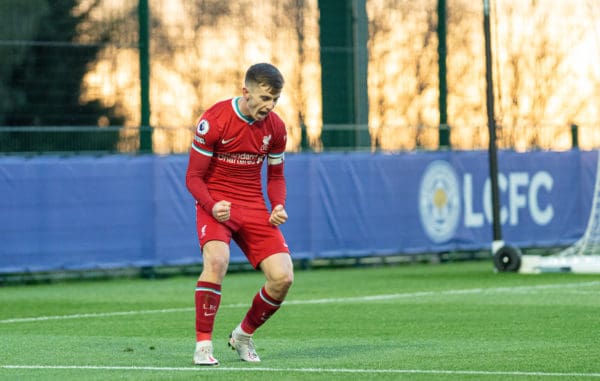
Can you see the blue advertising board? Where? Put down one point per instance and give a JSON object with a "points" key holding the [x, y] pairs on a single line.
{"points": [[121, 211]]}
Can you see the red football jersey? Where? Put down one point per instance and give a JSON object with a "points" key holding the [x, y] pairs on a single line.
{"points": [[237, 147]]}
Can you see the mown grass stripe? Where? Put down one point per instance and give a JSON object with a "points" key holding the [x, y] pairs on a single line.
{"points": [[354, 299]]}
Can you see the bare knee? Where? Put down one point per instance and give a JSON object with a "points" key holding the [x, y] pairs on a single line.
{"points": [[279, 271], [283, 281], [278, 286], [215, 263]]}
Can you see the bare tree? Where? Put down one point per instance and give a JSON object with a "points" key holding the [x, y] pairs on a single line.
{"points": [[200, 49], [379, 28], [466, 77], [19, 21], [403, 73], [533, 50], [400, 71]]}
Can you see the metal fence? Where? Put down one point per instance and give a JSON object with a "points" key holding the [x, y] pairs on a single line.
{"points": [[81, 76], [63, 140]]}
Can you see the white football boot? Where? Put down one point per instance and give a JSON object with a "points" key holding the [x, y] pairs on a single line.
{"points": [[204, 354], [243, 344]]}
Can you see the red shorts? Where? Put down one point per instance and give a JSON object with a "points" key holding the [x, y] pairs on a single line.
{"points": [[249, 228]]}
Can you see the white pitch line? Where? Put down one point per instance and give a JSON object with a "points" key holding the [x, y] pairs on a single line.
{"points": [[309, 370], [94, 315], [443, 293], [354, 299]]}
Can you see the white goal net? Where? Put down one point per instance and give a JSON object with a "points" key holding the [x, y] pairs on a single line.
{"points": [[581, 257]]}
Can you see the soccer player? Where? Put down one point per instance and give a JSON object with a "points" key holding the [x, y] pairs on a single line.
{"points": [[233, 138]]}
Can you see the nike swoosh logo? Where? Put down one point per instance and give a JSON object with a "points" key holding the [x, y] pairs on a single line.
{"points": [[223, 141]]}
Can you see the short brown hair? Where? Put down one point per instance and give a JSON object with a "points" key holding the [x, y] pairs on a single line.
{"points": [[264, 74]]}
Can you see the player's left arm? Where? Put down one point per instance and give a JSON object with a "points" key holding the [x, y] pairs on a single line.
{"points": [[276, 191], [276, 186]]}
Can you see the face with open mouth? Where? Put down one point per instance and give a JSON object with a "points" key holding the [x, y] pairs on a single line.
{"points": [[260, 100]]}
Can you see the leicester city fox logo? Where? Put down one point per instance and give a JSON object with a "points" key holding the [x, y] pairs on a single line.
{"points": [[439, 201]]}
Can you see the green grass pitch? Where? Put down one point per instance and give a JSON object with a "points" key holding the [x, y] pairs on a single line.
{"points": [[451, 321]]}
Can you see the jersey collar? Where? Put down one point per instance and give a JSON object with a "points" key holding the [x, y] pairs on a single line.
{"points": [[236, 108]]}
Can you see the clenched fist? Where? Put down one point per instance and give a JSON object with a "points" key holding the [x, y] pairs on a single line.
{"points": [[278, 215], [222, 211]]}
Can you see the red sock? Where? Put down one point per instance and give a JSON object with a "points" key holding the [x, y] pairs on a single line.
{"points": [[207, 298], [263, 307]]}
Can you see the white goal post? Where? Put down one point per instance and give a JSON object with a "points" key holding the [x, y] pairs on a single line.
{"points": [[581, 257]]}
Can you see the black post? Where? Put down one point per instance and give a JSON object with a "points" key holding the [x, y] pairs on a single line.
{"points": [[444, 130], [506, 258], [144, 57], [492, 150], [574, 136]]}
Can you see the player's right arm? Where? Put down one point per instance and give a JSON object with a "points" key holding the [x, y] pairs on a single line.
{"points": [[199, 162], [194, 180]]}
